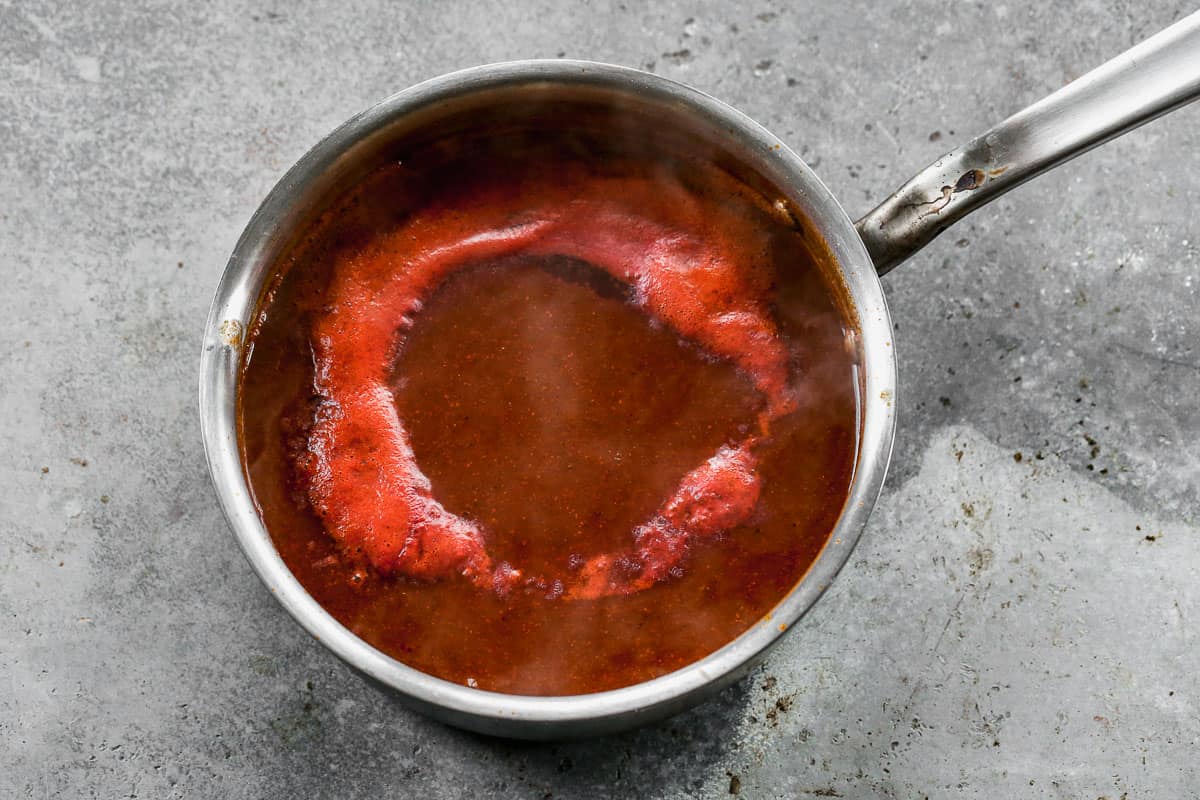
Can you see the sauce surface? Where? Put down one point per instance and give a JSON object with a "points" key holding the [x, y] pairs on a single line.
{"points": [[550, 423]]}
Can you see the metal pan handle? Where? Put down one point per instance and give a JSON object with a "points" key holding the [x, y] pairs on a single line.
{"points": [[1154, 77]]}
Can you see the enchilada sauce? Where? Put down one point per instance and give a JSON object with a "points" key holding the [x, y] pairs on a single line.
{"points": [[547, 423]]}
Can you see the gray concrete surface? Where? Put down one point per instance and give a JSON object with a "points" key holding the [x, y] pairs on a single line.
{"points": [[1006, 629]]}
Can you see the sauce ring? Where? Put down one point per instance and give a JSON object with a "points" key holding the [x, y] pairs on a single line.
{"points": [[696, 266]]}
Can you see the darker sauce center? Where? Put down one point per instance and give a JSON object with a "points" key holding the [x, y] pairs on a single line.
{"points": [[546, 407]]}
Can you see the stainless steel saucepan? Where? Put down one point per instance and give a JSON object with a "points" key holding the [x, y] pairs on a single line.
{"points": [[1153, 78]]}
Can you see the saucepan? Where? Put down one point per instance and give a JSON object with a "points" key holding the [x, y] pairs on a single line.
{"points": [[1153, 78]]}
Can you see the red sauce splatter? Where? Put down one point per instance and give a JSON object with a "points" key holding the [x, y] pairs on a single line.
{"points": [[689, 265]]}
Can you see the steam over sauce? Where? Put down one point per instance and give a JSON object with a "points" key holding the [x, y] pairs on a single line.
{"points": [[549, 419]]}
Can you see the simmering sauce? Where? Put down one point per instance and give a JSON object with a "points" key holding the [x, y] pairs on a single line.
{"points": [[549, 418]]}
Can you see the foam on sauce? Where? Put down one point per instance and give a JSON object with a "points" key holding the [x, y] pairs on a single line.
{"points": [[550, 424]]}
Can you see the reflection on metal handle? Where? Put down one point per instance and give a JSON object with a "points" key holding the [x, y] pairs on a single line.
{"points": [[1157, 76]]}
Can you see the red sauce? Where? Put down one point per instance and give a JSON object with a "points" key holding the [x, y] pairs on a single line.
{"points": [[550, 423]]}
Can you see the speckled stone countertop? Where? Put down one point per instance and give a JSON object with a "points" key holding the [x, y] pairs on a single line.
{"points": [[1019, 620]]}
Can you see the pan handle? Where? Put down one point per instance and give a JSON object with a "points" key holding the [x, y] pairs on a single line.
{"points": [[1154, 77]]}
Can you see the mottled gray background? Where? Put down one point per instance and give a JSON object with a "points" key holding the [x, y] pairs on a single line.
{"points": [[1006, 628]]}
